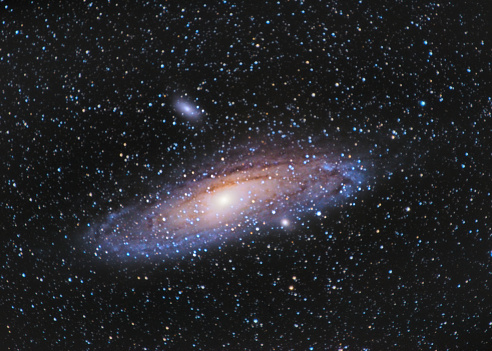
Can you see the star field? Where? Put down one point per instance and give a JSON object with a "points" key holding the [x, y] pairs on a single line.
{"points": [[109, 107]]}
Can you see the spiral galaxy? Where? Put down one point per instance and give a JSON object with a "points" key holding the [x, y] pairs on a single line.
{"points": [[269, 185]]}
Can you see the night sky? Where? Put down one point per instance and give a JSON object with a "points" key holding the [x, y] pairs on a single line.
{"points": [[103, 105]]}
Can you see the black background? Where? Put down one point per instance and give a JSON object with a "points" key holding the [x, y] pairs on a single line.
{"points": [[87, 123]]}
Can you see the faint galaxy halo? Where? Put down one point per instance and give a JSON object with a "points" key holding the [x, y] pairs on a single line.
{"points": [[257, 184]]}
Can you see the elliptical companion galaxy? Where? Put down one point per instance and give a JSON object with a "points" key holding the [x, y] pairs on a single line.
{"points": [[270, 185]]}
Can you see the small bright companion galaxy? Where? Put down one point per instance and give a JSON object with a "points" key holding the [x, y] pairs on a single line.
{"points": [[287, 175]]}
